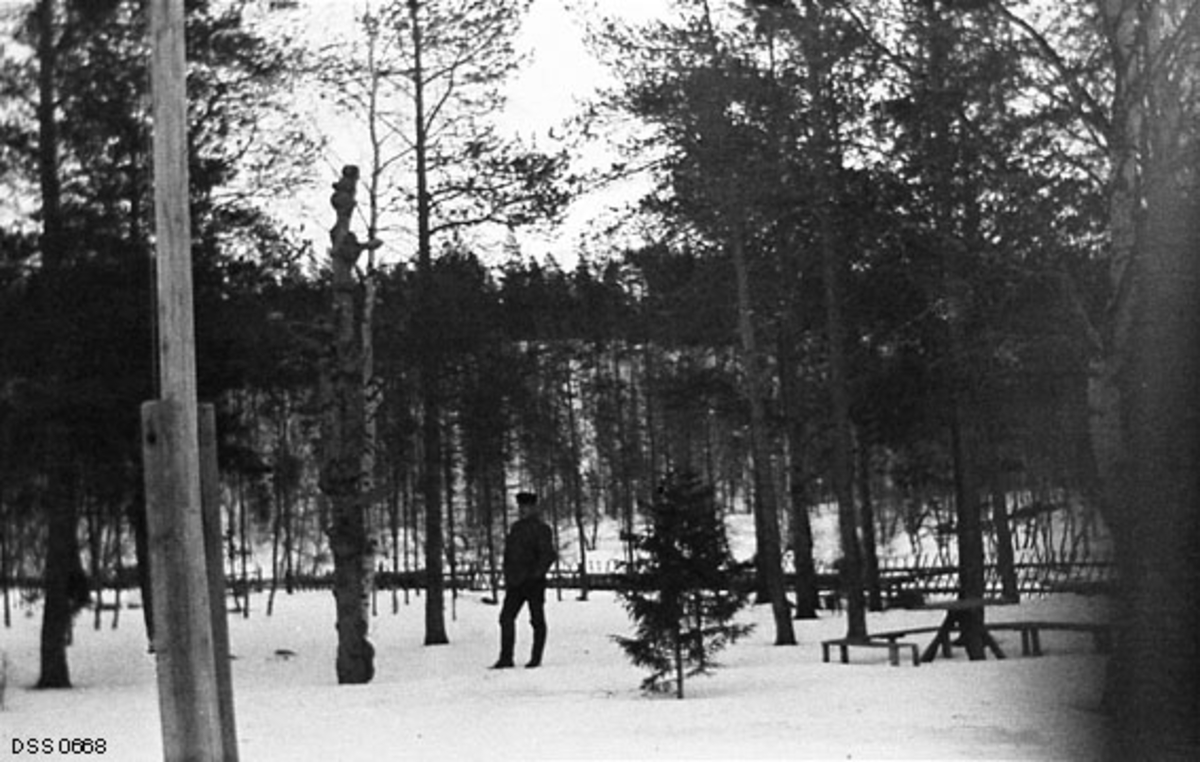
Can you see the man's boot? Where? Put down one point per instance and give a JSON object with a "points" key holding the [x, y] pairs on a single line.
{"points": [[539, 645], [508, 638]]}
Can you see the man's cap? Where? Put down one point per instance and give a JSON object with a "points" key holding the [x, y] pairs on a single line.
{"points": [[526, 498]]}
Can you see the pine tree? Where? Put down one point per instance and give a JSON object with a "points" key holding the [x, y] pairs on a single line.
{"points": [[682, 588]]}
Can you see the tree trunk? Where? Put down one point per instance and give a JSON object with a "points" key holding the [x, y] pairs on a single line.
{"points": [[870, 551], [62, 545], [622, 483], [116, 552], [1005, 561], [808, 597], [489, 528], [244, 546], [5, 581], [435, 613], [843, 476], [53, 255], [1145, 430], [286, 505], [577, 489], [678, 641], [394, 525], [769, 559], [435, 592], [805, 569], [341, 456], [824, 154], [63, 568], [1145, 444], [95, 523], [276, 530], [410, 532], [969, 530], [431, 492], [1157, 665], [372, 388], [951, 205], [451, 545]]}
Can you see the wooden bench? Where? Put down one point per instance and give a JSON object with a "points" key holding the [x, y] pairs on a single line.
{"points": [[1031, 639], [893, 647], [892, 636]]}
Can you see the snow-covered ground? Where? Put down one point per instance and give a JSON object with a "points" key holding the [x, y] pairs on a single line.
{"points": [[443, 703]]}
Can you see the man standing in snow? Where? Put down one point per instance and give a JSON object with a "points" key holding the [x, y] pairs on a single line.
{"points": [[528, 555]]}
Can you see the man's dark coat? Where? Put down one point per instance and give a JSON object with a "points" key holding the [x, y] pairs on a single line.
{"points": [[528, 552]]}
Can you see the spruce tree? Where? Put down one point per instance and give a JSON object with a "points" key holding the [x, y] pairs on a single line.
{"points": [[683, 588]]}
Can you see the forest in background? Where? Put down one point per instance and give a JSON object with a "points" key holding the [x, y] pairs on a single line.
{"points": [[917, 259]]}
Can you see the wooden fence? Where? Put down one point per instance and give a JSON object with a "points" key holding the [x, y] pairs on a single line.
{"points": [[899, 584]]}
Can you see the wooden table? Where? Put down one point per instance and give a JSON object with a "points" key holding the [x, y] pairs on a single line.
{"points": [[957, 612]]}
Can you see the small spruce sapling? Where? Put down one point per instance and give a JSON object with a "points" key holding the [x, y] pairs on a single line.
{"points": [[682, 590]]}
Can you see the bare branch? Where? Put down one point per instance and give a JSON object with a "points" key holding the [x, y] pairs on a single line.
{"points": [[1089, 108]]}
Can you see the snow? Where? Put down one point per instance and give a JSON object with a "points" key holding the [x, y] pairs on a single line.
{"points": [[442, 702]]}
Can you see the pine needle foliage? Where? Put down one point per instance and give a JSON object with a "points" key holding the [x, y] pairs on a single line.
{"points": [[683, 589]]}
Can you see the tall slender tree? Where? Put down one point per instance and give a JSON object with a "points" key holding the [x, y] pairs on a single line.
{"points": [[720, 176], [947, 205], [62, 544], [455, 55], [426, 327], [825, 163]]}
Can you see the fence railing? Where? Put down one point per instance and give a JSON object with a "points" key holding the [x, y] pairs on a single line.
{"points": [[897, 582], [1032, 578]]}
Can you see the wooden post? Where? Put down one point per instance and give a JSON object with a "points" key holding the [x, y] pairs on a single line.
{"points": [[183, 637], [189, 700], [210, 500]]}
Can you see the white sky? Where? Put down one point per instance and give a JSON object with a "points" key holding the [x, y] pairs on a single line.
{"points": [[562, 69], [559, 74]]}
